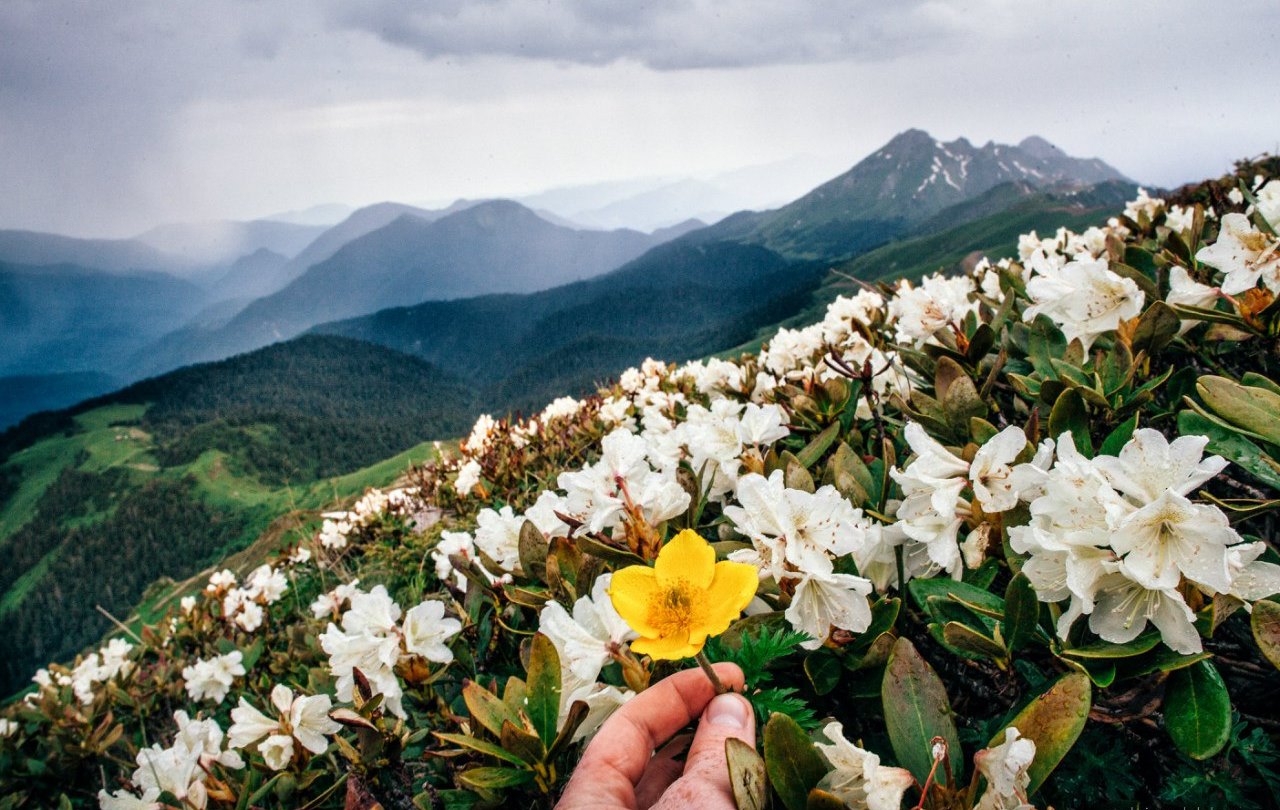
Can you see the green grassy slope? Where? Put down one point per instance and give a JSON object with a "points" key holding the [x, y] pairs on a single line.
{"points": [[165, 478]]}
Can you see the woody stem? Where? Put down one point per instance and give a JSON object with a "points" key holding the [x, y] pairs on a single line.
{"points": [[711, 673]]}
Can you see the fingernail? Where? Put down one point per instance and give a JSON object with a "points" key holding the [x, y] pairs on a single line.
{"points": [[729, 711]]}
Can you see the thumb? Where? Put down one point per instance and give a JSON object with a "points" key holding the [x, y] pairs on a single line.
{"points": [[706, 772]]}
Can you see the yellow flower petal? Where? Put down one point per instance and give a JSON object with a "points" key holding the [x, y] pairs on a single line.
{"points": [[686, 557], [633, 590], [672, 648], [732, 589]]}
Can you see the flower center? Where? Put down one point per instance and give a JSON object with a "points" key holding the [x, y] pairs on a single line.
{"points": [[672, 611]]}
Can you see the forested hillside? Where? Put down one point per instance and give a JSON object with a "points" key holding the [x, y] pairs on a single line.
{"points": [[172, 474]]}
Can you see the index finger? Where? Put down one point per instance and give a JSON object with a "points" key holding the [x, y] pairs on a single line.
{"points": [[626, 742]]}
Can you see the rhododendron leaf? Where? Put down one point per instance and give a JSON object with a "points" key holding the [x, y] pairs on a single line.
{"points": [[480, 746], [791, 760], [849, 475], [1118, 437], [1231, 445], [543, 688], [1265, 623], [980, 343], [1145, 282], [1256, 380], [1053, 720], [1161, 659], [1197, 710], [1109, 649], [814, 450], [1253, 409], [916, 710], [746, 775], [577, 714], [946, 373], [824, 669], [1069, 416], [964, 639], [981, 431], [526, 746], [961, 404], [486, 709], [529, 597], [1021, 612], [533, 551], [610, 554], [490, 779], [1157, 328], [922, 589], [797, 477]]}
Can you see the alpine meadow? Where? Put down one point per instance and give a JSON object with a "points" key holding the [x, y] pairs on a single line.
{"points": [[541, 411]]}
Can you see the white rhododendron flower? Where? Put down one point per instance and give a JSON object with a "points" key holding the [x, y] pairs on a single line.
{"points": [[426, 630], [823, 601], [124, 800], [1086, 299], [372, 639], [187, 604], [210, 679], [1005, 766], [589, 637], [300, 717], [991, 473], [498, 536], [221, 581], [1245, 254], [1268, 199], [857, 778], [1144, 205], [937, 303], [332, 602], [1186, 291], [468, 478]]}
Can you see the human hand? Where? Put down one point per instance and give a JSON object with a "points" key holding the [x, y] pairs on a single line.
{"points": [[632, 761]]}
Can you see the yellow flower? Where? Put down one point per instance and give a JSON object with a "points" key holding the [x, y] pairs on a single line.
{"points": [[686, 597]]}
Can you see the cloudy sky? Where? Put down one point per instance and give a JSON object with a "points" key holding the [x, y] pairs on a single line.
{"points": [[117, 116]]}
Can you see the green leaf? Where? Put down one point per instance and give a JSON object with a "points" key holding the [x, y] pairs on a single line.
{"points": [[1107, 649], [1230, 445], [533, 551], [922, 589], [1253, 409], [578, 711], [813, 451], [480, 746], [1197, 710], [1053, 721], [487, 779], [1119, 437], [791, 760], [965, 639], [1069, 416], [797, 477], [916, 710], [1157, 328], [543, 685], [1021, 612], [1144, 281], [746, 775], [824, 670], [486, 709], [1265, 623]]}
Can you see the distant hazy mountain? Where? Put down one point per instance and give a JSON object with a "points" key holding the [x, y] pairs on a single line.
{"points": [[679, 300], [324, 214], [70, 318], [259, 273], [114, 255], [494, 246], [223, 241], [659, 202]]}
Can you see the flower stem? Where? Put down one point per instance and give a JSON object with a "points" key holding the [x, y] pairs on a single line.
{"points": [[711, 673]]}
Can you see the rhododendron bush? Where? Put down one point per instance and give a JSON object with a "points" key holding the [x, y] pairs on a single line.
{"points": [[990, 540]]}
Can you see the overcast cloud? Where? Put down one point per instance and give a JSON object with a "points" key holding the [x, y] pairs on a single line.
{"points": [[117, 116]]}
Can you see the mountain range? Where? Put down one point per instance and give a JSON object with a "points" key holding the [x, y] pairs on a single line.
{"points": [[120, 311]]}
